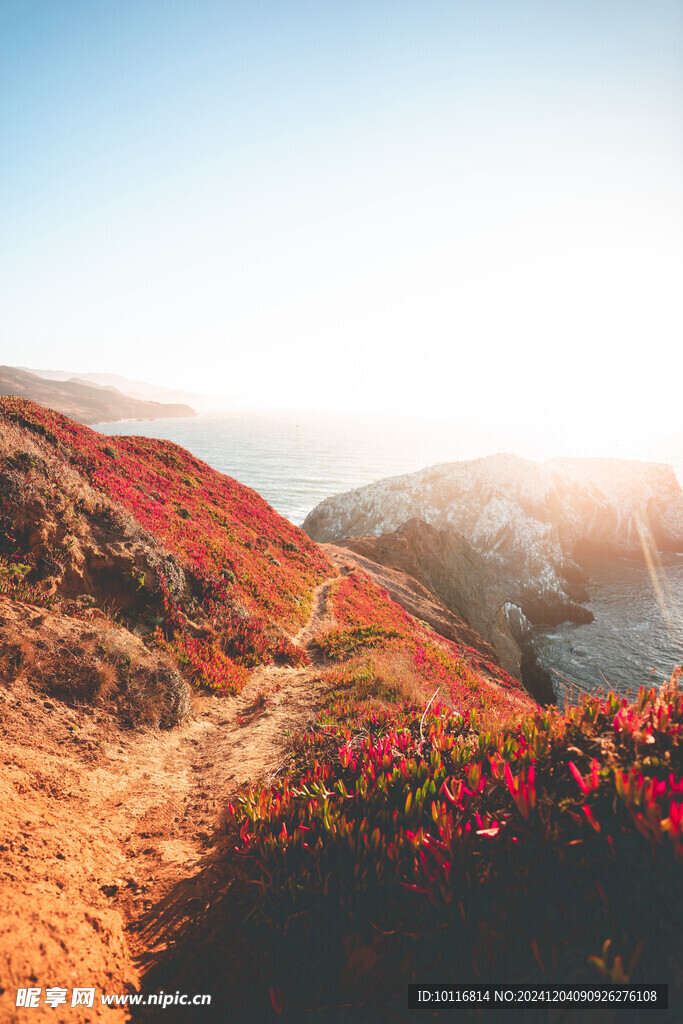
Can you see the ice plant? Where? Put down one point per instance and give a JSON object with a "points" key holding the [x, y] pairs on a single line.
{"points": [[522, 789], [477, 850], [586, 785], [250, 573]]}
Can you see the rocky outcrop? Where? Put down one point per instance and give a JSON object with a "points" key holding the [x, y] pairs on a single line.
{"points": [[80, 546], [536, 679], [534, 523], [438, 576]]}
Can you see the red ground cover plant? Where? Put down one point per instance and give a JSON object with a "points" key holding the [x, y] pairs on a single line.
{"points": [[367, 618], [253, 572], [402, 848]]}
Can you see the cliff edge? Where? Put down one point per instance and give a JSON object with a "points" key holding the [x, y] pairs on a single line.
{"points": [[533, 523]]}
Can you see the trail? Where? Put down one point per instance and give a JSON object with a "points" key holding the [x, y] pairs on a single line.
{"points": [[109, 834], [174, 786], [319, 617]]}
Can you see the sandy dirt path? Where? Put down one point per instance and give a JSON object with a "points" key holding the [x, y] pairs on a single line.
{"points": [[175, 785], [113, 822]]}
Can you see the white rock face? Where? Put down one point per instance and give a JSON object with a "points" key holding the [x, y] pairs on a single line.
{"points": [[531, 520]]}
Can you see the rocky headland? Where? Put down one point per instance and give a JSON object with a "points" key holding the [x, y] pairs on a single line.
{"points": [[535, 525], [86, 401]]}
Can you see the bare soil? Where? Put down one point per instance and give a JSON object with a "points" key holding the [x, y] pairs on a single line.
{"points": [[100, 825]]}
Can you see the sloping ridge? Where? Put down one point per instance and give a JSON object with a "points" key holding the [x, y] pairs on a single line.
{"points": [[86, 402], [437, 576]]}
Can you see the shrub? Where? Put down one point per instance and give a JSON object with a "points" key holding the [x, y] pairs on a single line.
{"points": [[91, 663]]}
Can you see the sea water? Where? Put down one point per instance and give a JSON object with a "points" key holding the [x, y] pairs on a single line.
{"points": [[636, 637], [296, 459]]}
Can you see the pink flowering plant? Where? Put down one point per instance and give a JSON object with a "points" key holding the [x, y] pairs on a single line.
{"points": [[252, 572], [543, 850], [368, 619]]}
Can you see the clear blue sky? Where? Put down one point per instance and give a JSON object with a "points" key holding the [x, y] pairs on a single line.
{"points": [[398, 204]]}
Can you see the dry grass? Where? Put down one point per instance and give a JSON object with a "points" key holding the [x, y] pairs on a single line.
{"points": [[385, 678], [397, 679], [90, 663], [389, 678]]}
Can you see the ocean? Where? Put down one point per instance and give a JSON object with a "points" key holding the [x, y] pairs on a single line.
{"points": [[637, 635], [295, 459]]}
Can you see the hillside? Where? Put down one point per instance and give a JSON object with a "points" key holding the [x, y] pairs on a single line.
{"points": [[535, 524], [439, 576], [183, 553], [85, 401], [139, 389], [133, 580], [234, 765]]}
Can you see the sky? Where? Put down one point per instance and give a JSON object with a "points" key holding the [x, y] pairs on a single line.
{"points": [[465, 210]]}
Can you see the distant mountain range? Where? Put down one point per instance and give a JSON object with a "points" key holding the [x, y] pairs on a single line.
{"points": [[139, 389], [87, 399], [204, 404]]}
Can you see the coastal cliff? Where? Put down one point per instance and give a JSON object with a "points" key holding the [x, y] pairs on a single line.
{"points": [[534, 523], [85, 401]]}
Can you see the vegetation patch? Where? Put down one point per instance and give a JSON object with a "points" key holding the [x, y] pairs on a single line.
{"points": [[91, 663], [404, 845], [231, 579], [367, 619]]}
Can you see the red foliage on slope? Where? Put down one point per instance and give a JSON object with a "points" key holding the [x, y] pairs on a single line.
{"points": [[367, 618], [253, 572], [468, 853]]}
